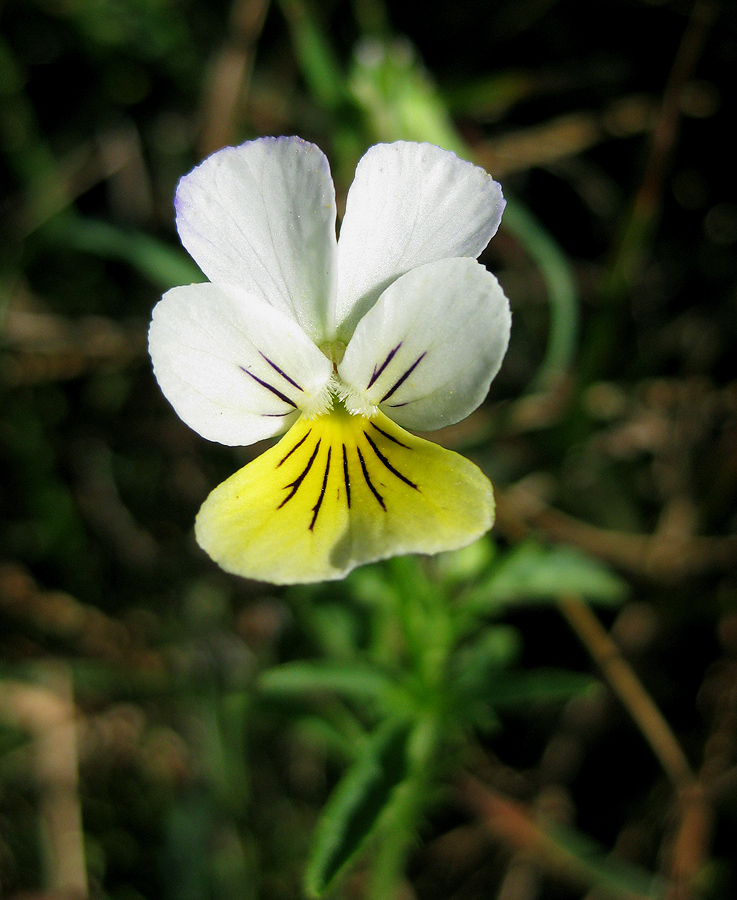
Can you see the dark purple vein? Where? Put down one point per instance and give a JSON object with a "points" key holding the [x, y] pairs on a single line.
{"points": [[346, 477], [269, 387], [316, 507], [404, 377], [296, 446], [388, 436], [377, 372], [368, 480], [389, 466], [280, 371], [295, 485]]}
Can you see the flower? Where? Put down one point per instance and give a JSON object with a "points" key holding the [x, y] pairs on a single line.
{"points": [[342, 344]]}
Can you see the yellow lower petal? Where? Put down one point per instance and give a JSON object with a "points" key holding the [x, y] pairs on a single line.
{"points": [[339, 491]]}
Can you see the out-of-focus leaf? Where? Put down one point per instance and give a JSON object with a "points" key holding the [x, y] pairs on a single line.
{"points": [[188, 831], [398, 98], [536, 686], [355, 807], [338, 740], [164, 266], [562, 292], [585, 857], [474, 666], [490, 97], [457, 567], [349, 680], [495, 648], [336, 629], [315, 55], [533, 573]]}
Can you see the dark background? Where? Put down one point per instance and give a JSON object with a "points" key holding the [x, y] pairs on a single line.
{"points": [[611, 122]]}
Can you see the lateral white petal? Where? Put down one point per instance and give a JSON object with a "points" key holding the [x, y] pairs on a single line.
{"points": [[262, 215], [409, 204], [235, 369], [427, 351]]}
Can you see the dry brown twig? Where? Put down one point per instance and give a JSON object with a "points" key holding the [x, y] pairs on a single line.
{"points": [[227, 86], [521, 511], [47, 713], [517, 826]]}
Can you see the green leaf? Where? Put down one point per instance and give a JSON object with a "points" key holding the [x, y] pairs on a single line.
{"points": [[495, 648], [356, 805], [398, 98], [536, 686], [336, 739], [164, 266], [461, 567], [533, 573], [489, 97], [336, 627], [349, 680], [315, 56]]}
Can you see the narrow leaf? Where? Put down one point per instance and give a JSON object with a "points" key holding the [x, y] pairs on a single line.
{"points": [[494, 649], [355, 806], [163, 265], [532, 572], [618, 879], [536, 686], [349, 680]]}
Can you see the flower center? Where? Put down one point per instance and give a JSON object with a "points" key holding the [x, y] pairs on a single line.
{"points": [[335, 351], [338, 398]]}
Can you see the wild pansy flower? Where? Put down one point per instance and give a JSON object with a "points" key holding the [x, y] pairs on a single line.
{"points": [[341, 345]]}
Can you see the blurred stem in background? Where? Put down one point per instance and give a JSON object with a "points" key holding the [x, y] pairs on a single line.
{"points": [[46, 712], [639, 227], [226, 89]]}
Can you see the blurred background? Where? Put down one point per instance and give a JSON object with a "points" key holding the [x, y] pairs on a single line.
{"points": [[137, 760]]}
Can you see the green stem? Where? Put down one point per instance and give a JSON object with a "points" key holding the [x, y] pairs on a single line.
{"points": [[562, 292]]}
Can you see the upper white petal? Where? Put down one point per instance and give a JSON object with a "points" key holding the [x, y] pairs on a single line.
{"points": [[262, 216], [427, 351], [235, 369], [409, 204]]}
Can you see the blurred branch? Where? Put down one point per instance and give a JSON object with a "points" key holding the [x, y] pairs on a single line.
{"points": [[690, 850], [521, 511], [630, 691], [228, 81], [641, 220], [645, 208], [558, 850], [564, 136], [48, 714], [45, 347], [100, 502], [53, 189], [86, 629]]}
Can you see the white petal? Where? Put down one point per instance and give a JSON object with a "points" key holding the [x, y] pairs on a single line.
{"points": [[262, 216], [235, 369], [409, 204], [427, 351]]}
